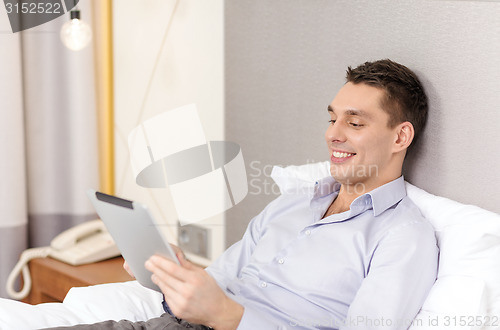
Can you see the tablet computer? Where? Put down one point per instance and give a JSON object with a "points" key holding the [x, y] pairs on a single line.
{"points": [[134, 231]]}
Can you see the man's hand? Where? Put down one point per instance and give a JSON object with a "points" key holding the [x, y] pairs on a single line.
{"points": [[127, 268], [192, 294], [178, 252]]}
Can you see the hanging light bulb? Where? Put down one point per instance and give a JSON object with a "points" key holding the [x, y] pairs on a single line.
{"points": [[76, 34]]}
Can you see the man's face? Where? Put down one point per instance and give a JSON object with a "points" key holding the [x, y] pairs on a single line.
{"points": [[359, 138]]}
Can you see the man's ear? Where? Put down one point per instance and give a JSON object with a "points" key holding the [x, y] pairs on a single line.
{"points": [[404, 136]]}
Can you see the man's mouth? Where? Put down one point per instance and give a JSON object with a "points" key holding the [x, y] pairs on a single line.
{"points": [[340, 156]]}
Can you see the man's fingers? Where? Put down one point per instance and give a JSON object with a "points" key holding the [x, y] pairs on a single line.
{"points": [[167, 272], [181, 257], [180, 272], [178, 252], [127, 268], [166, 265], [186, 263], [172, 296], [167, 284]]}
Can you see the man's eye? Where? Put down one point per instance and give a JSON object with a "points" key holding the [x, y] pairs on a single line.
{"points": [[332, 121], [355, 124]]}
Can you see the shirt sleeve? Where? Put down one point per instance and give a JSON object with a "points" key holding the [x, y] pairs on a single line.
{"points": [[400, 275], [228, 266], [252, 320]]}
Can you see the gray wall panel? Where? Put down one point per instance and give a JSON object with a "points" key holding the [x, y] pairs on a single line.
{"points": [[285, 61]]}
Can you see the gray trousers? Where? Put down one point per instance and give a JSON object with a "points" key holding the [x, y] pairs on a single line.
{"points": [[164, 322]]}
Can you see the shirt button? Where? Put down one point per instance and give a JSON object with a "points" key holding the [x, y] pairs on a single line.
{"points": [[308, 232], [263, 284], [281, 261]]}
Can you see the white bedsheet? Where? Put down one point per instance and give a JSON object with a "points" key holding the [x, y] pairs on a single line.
{"points": [[116, 301]]}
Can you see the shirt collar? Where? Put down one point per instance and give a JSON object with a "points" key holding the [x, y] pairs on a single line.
{"points": [[380, 199], [325, 186], [387, 195]]}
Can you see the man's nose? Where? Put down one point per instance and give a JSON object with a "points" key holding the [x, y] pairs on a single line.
{"points": [[335, 132]]}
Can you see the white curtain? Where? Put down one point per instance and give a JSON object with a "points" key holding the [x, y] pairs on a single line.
{"points": [[48, 139]]}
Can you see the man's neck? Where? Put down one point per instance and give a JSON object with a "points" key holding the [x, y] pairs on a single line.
{"points": [[348, 193], [343, 200]]}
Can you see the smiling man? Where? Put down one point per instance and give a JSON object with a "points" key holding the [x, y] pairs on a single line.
{"points": [[354, 254], [370, 132]]}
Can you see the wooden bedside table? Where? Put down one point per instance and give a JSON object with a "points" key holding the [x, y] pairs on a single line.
{"points": [[52, 279]]}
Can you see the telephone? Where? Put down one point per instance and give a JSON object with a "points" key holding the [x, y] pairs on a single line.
{"points": [[85, 243]]}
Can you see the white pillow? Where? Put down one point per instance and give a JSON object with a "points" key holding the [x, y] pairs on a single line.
{"points": [[466, 294], [293, 178]]}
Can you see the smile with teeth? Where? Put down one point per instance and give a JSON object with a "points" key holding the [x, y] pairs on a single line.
{"points": [[338, 154]]}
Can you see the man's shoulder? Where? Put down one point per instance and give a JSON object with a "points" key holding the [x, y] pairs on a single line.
{"points": [[406, 216]]}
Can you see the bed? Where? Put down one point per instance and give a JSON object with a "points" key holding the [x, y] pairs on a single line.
{"points": [[466, 294]]}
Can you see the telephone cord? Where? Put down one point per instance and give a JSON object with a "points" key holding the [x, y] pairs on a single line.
{"points": [[22, 265]]}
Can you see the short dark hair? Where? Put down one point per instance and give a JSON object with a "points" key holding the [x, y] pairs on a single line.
{"points": [[405, 98]]}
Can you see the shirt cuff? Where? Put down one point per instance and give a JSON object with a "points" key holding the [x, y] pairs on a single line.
{"points": [[166, 308]]}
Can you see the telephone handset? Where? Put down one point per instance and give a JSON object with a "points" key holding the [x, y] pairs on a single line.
{"points": [[85, 243]]}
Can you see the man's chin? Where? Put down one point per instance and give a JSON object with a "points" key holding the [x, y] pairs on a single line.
{"points": [[341, 171], [343, 180], [340, 177], [353, 185], [346, 176], [353, 172]]}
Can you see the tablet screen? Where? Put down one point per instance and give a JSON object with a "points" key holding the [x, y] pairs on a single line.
{"points": [[135, 232]]}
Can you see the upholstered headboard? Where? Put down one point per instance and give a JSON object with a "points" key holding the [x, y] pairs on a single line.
{"points": [[285, 63]]}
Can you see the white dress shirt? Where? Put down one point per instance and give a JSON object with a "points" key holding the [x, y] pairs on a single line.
{"points": [[370, 267]]}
